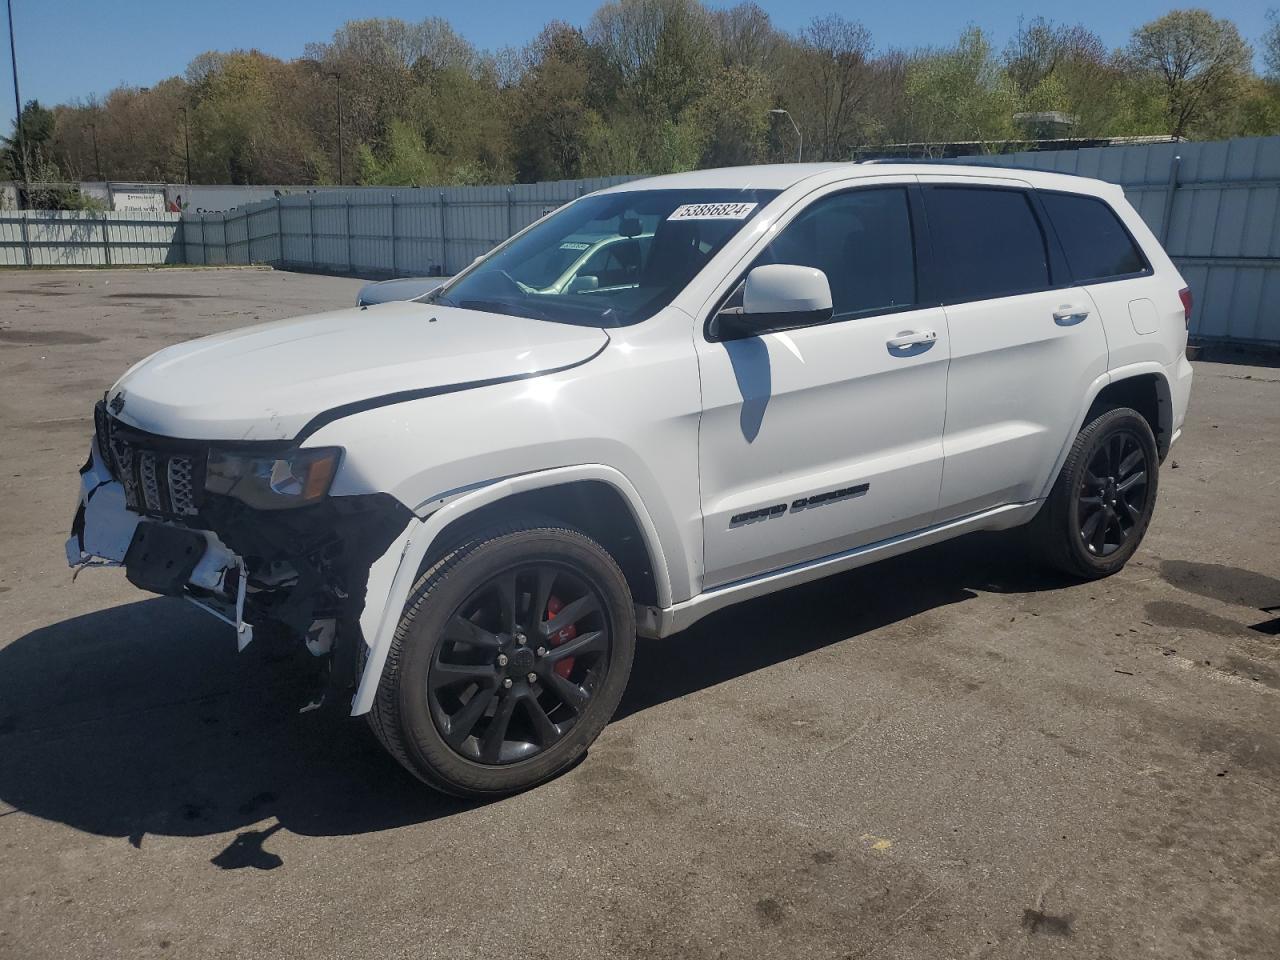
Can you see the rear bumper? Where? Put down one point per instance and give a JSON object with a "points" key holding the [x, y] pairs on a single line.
{"points": [[1180, 374]]}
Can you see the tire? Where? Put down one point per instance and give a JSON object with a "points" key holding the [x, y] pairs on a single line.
{"points": [[439, 710], [1066, 532]]}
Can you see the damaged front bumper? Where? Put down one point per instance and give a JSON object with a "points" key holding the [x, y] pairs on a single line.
{"points": [[159, 557], [302, 573]]}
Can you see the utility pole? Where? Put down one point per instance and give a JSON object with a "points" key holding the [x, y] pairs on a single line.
{"points": [[97, 164], [799, 135], [17, 105], [338, 77], [186, 139]]}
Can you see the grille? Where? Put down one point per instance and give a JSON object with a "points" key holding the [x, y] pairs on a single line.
{"points": [[156, 480]]}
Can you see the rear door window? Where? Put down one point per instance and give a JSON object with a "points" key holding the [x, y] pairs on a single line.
{"points": [[987, 243], [1096, 243]]}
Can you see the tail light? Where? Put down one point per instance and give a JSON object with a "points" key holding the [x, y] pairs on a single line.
{"points": [[1185, 294]]}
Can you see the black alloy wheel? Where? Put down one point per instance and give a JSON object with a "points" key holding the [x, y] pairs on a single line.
{"points": [[518, 663], [512, 653], [1101, 504], [1112, 498]]}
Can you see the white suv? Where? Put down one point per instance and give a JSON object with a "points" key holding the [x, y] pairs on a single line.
{"points": [[467, 506]]}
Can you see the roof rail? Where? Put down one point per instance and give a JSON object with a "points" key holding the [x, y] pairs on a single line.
{"points": [[962, 161]]}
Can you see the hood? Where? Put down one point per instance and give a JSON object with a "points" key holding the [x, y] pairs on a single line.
{"points": [[267, 382]]}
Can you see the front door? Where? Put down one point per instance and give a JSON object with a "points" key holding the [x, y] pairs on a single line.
{"points": [[820, 439]]}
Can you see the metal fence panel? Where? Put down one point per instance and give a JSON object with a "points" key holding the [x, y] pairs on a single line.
{"points": [[1215, 206], [80, 238], [403, 231]]}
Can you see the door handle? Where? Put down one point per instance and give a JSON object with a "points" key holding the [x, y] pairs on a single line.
{"points": [[912, 338], [1069, 316]]}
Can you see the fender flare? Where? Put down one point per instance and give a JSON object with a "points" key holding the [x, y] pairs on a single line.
{"points": [[392, 576], [1127, 372]]}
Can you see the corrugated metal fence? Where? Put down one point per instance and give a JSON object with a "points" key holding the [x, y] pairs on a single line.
{"points": [[1216, 208], [400, 232], [61, 238]]}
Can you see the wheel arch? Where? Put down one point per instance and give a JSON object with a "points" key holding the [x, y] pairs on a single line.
{"points": [[592, 506], [1146, 391], [617, 517], [1142, 386]]}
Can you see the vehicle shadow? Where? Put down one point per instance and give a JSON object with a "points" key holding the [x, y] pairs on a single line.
{"points": [[773, 629], [142, 719]]}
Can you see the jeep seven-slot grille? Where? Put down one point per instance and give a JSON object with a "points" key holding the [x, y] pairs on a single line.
{"points": [[158, 481]]}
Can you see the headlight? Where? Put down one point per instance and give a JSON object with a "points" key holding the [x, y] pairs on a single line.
{"points": [[273, 483]]}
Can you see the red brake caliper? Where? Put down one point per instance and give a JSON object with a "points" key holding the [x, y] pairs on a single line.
{"points": [[554, 606]]}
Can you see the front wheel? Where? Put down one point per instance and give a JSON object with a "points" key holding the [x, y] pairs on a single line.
{"points": [[511, 656], [1101, 504]]}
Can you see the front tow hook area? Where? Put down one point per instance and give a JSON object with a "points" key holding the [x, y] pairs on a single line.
{"points": [[162, 557]]}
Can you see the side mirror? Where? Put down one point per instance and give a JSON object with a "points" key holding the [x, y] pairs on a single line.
{"points": [[777, 296]]}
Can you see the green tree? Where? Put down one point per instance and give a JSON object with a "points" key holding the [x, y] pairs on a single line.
{"points": [[655, 60], [661, 50], [32, 132], [1271, 46], [1198, 63], [406, 161], [746, 37], [1257, 112], [734, 117], [650, 86], [826, 83], [1260, 109], [1068, 68], [554, 119], [960, 93]]}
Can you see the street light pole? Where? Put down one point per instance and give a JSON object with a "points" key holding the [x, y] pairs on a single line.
{"points": [[338, 77], [17, 103], [799, 135]]}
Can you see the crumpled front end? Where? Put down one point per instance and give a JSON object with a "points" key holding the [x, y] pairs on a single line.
{"points": [[145, 504]]}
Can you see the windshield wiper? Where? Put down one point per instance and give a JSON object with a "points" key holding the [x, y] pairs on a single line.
{"points": [[504, 306]]}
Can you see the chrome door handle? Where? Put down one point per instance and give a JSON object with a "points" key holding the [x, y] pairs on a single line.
{"points": [[1066, 316], [912, 338]]}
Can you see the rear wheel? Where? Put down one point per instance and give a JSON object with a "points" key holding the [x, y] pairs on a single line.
{"points": [[1101, 504], [511, 656]]}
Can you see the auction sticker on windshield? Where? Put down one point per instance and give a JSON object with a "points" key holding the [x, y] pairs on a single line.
{"points": [[712, 211]]}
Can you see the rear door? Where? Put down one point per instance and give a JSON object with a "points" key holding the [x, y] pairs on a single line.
{"points": [[826, 437], [1025, 344], [1142, 313]]}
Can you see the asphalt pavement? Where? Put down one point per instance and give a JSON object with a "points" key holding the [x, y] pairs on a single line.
{"points": [[946, 755]]}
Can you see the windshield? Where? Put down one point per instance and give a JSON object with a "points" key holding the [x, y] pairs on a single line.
{"points": [[609, 260]]}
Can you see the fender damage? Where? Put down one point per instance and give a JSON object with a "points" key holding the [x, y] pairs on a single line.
{"points": [[303, 572]]}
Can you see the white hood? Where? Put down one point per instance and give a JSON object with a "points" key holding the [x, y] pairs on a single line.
{"points": [[266, 382]]}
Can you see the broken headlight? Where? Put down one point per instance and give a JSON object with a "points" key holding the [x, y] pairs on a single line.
{"points": [[295, 479]]}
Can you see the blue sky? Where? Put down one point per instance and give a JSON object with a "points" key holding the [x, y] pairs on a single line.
{"points": [[71, 48]]}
